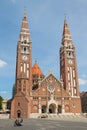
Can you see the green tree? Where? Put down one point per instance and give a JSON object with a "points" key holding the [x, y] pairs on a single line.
{"points": [[1, 99]]}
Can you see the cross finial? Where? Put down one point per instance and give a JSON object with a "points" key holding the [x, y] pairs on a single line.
{"points": [[24, 11], [50, 71], [35, 61], [65, 16]]}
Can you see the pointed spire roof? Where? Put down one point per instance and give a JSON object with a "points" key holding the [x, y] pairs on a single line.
{"points": [[36, 69], [24, 28], [66, 33]]}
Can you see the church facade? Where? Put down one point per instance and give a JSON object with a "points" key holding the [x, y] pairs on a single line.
{"points": [[36, 93]]}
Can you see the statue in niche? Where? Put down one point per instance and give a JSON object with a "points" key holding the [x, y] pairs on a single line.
{"points": [[51, 96]]}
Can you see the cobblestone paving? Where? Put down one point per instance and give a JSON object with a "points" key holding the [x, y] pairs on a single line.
{"points": [[45, 124]]}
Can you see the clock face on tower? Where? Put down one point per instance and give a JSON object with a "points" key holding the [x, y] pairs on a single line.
{"points": [[24, 57]]}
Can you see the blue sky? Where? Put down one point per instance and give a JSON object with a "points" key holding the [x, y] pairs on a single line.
{"points": [[46, 19]]}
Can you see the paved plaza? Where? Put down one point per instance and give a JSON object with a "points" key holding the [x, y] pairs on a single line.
{"points": [[45, 124]]}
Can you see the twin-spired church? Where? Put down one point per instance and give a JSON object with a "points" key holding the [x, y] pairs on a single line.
{"points": [[36, 93]]}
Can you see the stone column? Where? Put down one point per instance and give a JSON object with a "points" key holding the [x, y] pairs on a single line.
{"points": [[39, 108], [56, 109], [63, 106], [47, 109]]}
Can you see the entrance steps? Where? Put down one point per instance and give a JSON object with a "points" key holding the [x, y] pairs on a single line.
{"points": [[58, 116], [64, 116]]}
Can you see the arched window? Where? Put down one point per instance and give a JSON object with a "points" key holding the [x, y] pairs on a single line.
{"points": [[24, 49], [18, 103], [25, 42]]}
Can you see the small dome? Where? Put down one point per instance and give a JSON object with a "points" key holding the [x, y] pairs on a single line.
{"points": [[36, 70]]}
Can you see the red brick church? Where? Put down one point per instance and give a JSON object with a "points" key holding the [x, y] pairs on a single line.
{"points": [[36, 93]]}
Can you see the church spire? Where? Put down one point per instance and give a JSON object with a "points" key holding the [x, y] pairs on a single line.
{"points": [[66, 37], [24, 28]]}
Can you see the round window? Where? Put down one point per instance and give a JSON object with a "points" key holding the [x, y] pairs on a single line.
{"points": [[51, 88]]}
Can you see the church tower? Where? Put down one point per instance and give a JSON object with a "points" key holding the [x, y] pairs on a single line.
{"points": [[24, 60], [68, 66], [23, 82]]}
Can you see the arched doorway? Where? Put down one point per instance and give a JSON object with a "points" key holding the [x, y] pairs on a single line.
{"points": [[43, 109], [59, 108], [52, 108], [18, 113]]}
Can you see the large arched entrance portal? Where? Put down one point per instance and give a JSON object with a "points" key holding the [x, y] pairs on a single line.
{"points": [[59, 109], [43, 109], [52, 108]]}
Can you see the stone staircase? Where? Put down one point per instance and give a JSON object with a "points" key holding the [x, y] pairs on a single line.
{"points": [[63, 116], [74, 117], [67, 116]]}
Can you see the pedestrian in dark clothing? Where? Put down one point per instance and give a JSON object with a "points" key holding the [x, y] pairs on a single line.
{"points": [[18, 122]]}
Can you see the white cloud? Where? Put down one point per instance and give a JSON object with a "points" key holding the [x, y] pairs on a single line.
{"points": [[2, 63], [3, 92], [82, 81]]}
